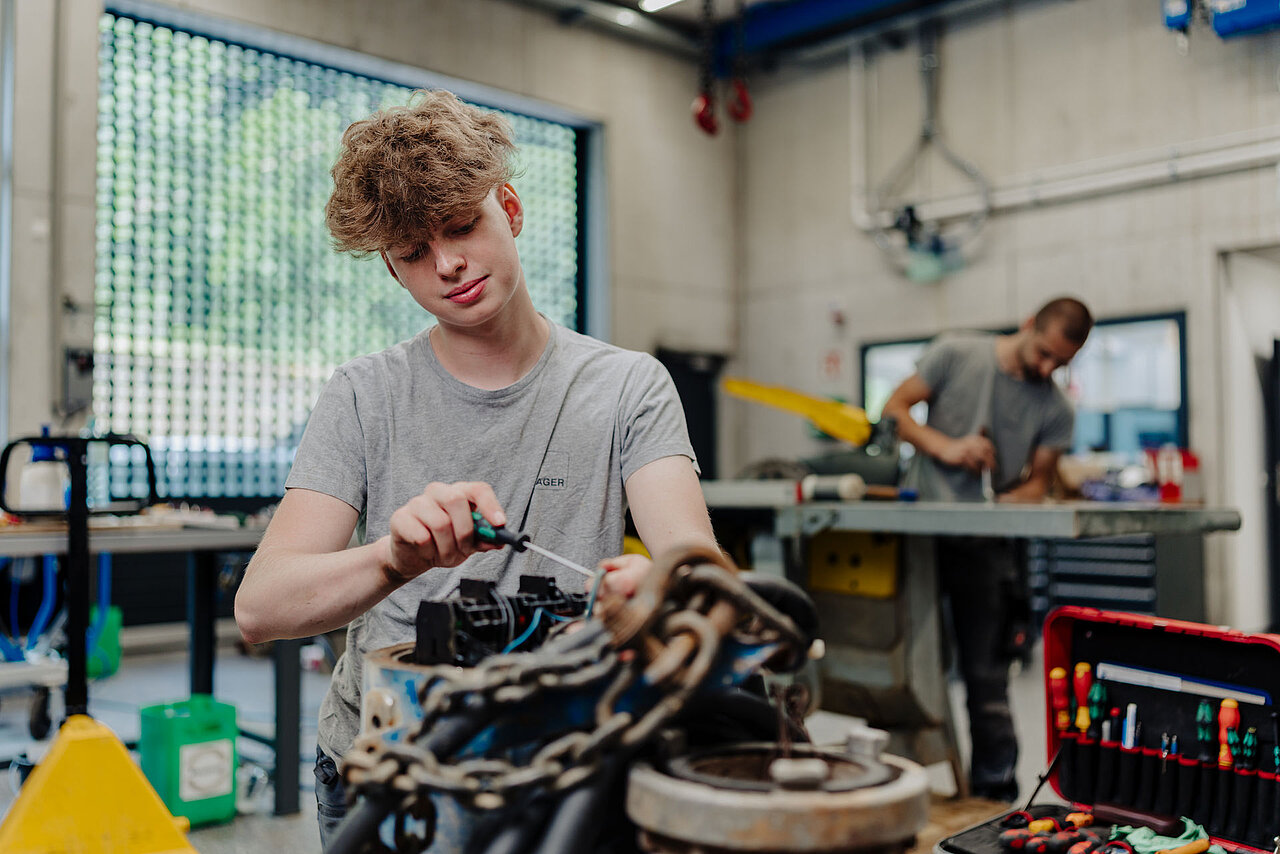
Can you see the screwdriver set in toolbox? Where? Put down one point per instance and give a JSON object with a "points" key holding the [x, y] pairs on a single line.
{"points": [[1150, 721]]}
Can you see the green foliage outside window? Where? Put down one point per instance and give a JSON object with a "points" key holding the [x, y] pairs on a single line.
{"points": [[221, 308]]}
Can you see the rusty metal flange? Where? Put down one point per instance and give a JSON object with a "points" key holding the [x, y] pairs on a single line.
{"points": [[872, 818]]}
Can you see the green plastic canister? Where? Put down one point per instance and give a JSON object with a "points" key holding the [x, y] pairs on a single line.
{"points": [[188, 752]]}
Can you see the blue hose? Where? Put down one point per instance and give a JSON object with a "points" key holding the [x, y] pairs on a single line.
{"points": [[47, 598]]}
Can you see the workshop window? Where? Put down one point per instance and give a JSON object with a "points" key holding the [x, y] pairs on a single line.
{"points": [[221, 307]]}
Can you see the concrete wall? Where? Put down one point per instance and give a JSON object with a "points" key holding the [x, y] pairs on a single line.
{"points": [[670, 216], [1036, 86]]}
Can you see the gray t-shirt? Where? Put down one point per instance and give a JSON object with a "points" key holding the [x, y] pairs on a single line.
{"points": [[970, 393], [557, 447]]}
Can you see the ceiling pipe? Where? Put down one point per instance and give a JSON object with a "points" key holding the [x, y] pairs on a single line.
{"points": [[620, 21], [1206, 158]]}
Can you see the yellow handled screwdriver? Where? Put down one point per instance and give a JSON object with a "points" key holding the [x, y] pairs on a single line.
{"points": [[497, 535]]}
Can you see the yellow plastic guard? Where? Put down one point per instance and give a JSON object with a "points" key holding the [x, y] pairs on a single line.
{"points": [[87, 796], [633, 546], [832, 417]]}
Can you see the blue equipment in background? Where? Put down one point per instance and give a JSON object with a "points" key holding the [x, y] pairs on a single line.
{"points": [[1177, 14], [1243, 17]]}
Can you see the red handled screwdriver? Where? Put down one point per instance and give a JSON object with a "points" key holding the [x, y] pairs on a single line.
{"points": [[1228, 720]]}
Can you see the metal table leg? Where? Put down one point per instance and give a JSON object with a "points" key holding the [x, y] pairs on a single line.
{"points": [[288, 670], [202, 579]]}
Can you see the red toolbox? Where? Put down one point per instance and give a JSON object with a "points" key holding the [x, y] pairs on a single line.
{"points": [[1169, 719]]}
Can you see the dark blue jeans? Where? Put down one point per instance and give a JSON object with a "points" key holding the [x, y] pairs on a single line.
{"points": [[331, 797]]}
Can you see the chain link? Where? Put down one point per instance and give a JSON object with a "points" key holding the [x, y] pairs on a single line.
{"points": [[668, 635]]}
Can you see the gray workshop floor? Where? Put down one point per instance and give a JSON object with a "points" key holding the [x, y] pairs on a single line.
{"points": [[247, 683]]}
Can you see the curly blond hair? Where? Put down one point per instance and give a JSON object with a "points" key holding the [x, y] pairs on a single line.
{"points": [[405, 171]]}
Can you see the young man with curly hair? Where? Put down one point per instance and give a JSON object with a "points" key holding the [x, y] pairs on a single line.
{"points": [[493, 408]]}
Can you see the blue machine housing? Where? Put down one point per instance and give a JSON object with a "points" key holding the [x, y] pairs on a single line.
{"points": [[1243, 17]]}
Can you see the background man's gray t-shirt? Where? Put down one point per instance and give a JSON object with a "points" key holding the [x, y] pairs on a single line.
{"points": [[970, 393], [557, 447]]}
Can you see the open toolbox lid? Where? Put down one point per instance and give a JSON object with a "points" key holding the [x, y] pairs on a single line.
{"points": [[1168, 672]]}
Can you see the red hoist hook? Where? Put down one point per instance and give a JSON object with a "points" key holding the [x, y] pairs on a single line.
{"points": [[739, 103], [704, 113]]}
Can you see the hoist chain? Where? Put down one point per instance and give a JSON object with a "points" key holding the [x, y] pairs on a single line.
{"points": [[707, 77], [666, 636]]}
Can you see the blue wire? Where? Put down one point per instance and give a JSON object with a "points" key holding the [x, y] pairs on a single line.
{"points": [[533, 624], [595, 591], [557, 617]]}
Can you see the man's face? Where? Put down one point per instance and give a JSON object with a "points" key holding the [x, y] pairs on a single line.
{"points": [[467, 271], [1044, 351]]}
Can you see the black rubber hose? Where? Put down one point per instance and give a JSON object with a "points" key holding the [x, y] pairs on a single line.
{"points": [[445, 739], [577, 820], [520, 828]]}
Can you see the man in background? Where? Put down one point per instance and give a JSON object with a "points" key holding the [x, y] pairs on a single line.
{"points": [[997, 425]]}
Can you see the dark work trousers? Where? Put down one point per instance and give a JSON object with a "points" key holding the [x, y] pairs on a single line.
{"points": [[976, 577]]}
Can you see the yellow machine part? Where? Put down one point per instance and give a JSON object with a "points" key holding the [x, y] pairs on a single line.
{"points": [[87, 796], [633, 546], [840, 420], [855, 563]]}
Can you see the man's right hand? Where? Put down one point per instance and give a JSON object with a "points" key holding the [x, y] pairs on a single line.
{"points": [[435, 529], [973, 452]]}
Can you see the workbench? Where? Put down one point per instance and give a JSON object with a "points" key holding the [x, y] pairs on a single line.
{"points": [[202, 545], [884, 645], [1067, 519]]}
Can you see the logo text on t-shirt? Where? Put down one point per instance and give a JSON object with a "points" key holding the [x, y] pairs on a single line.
{"points": [[554, 469]]}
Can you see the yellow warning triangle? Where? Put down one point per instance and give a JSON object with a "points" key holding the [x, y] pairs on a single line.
{"points": [[87, 796]]}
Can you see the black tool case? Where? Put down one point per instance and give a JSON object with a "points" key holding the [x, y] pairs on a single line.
{"points": [[1164, 667]]}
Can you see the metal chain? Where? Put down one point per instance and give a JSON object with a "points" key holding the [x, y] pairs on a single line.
{"points": [[707, 45], [669, 633], [740, 39]]}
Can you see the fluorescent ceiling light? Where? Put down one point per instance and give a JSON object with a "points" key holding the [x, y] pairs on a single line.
{"points": [[655, 5]]}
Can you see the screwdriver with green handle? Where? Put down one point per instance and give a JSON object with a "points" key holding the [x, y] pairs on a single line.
{"points": [[497, 535]]}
